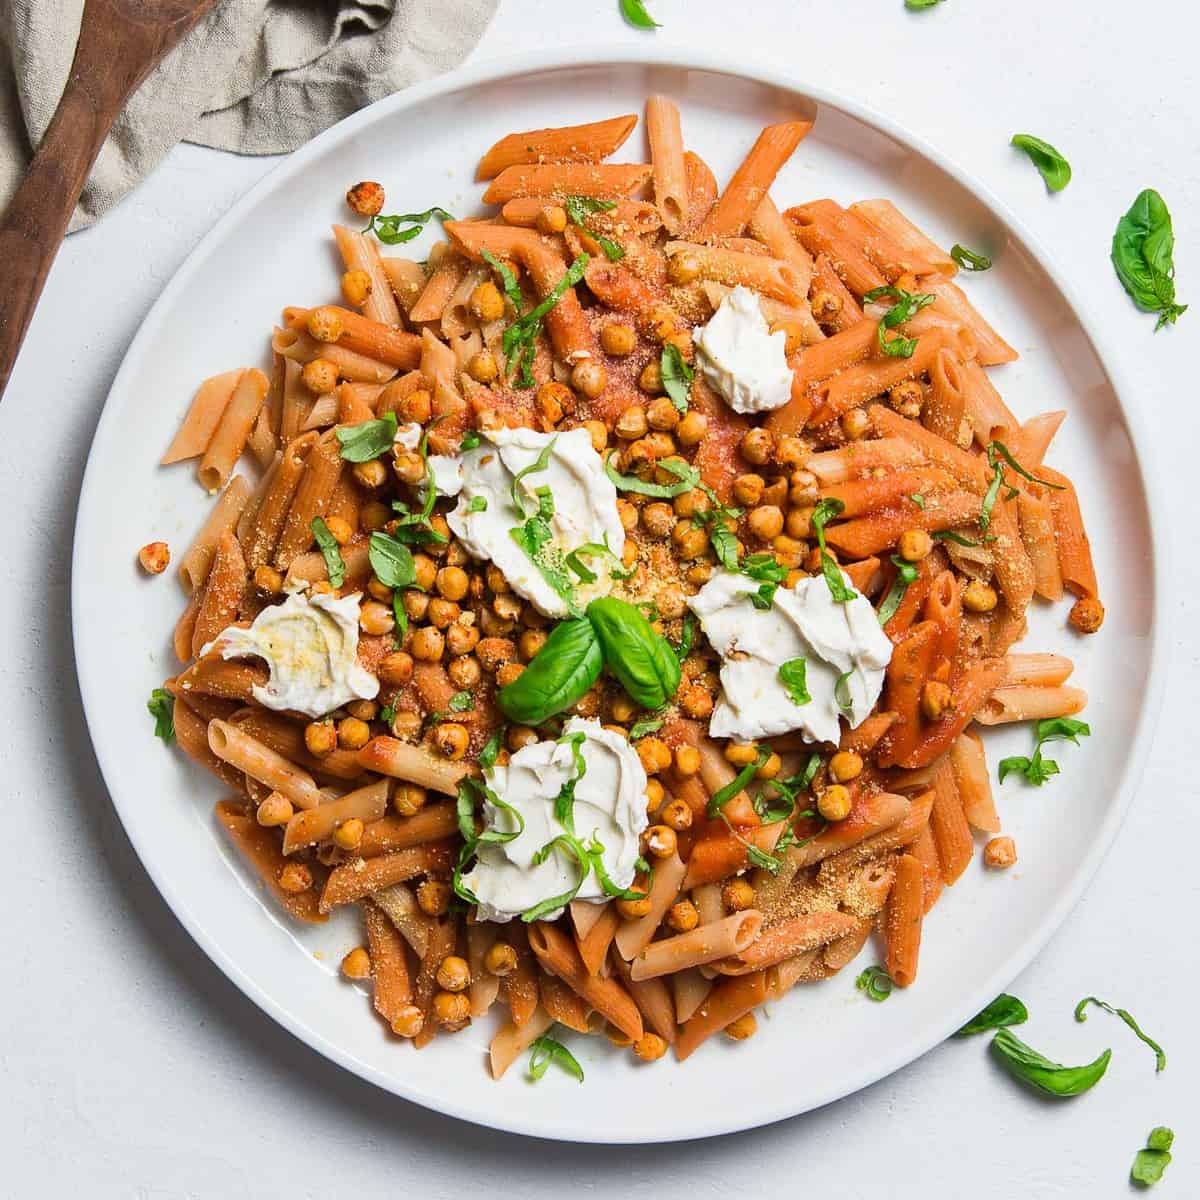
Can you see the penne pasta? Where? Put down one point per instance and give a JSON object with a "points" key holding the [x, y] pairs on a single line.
{"points": [[569, 143], [208, 405]]}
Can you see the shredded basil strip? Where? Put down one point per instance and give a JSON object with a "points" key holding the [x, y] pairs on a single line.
{"points": [[1054, 169], [546, 1050], [368, 439], [810, 770], [793, 674], [687, 477], [388, 229], [641, 729], [969, 260], [539, 464], [1160, 1055], [391, 560], [331, 550], [161, 707], [401, 617], [579, 208], [907, 305], [875, 983], [677, 376], [519, 338], [949, 535], [918, 500], [1150, 1163], [1027, 1065], [634, 11], [1000, 449], [738, 783], [906, 574], [687, 636], [491, 750], [920, 5], [470, 440], [1003, 1011], [512, 289], [825, 511], [841, 692]]}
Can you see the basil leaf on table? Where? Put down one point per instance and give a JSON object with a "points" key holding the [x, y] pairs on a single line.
{"points": [[642, 661], [561, 671], [1003, 1011], [1027, 1065], [1150, 1163], [1143, 250], [1054, 169], [634, 11]]}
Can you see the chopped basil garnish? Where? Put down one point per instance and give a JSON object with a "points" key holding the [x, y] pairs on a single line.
{"points": [[918, 500], [686, 476], [1160, 1056], [793, 674], [539, 464], [546, 1050], [462, 702], [642, 728], [564, 802], [677, 376], [841, 692], [1037, 769], [634, 11], [826, 510], [920, 5], [1027, 1065], [579, 208], [328, 546], [388, 229], [478, 504], [907, 304], [1150, 1163], [508, 281], [906, 574], [722, 796], [997, 450], [161, 706], [1003, 1011], [809, 773], [367, 440], [1143, 253], [948, 535], [1054, 169], [391, 560], [969, 260], [387, 714], [687, 636], [875, 983], [520, 337], [491, 750]]}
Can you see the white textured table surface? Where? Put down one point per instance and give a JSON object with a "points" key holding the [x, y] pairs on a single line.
{"points": [[131, 1067]]}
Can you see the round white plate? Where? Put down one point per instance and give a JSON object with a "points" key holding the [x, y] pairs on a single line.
{"points": [[274, 249]]}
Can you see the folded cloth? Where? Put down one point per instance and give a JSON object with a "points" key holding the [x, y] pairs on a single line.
{"points": [[255, 77]]}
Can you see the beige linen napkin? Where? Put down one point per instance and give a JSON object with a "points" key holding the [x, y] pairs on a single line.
{"points": [[255, 77]]}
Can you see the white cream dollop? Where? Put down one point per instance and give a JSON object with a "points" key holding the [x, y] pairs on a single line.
{"points": [[741, 358], [610, 805], [802, 622], [585, 508], [310, 644]]}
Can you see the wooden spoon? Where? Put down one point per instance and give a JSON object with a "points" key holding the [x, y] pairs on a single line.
{"points": [[120, 43]]}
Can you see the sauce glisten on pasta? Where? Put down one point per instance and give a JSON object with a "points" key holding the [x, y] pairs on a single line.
{"points": [[519, 467]]}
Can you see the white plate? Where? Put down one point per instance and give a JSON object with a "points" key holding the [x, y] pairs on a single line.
{"points": [[273, 249]]}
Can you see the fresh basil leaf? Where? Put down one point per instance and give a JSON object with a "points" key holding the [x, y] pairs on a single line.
{"points": [[546, 1050], [825, 511], [918, 500], [469, 441], [491, 750], [574, 560], [400, 614], [578, 209], [519, 338], [564, 668], [841, 692], [875, 983], [634, 11], [810, 771], [793, 674], [512, 289], [1054, 169], [1065, 728], [677, 376], [920, 5], [328, 546], [539, 464], [564, 802], [462, 702], [1037, 769], [1150, 1163], [907, 304], [1005, 1010], [161, 706], [969, 260], [990, 496], [906, 574], [1143, 248], [642, 661], [999, 449], [572, 844], [687, 636], [534, 538], [642, 728], [1027, 1065], [367, 440], [687, 477], [478, 504], [595, 853], [738, 783], [391, 560], [949, 535], [1160, 1056], [388, 229], [387, 714]]}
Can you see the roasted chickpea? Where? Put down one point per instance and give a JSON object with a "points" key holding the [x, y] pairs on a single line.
{"points": [[352, 733], [356, 288], [319, 376], [855, 423], [661, 841], [650, 1047], [530, 642], [631, 423], [770, 768], [409, 799], [357, 964], [500, 959], [691, 428], [416, 406], [428, 644], [696, 702], [275, 810], [267, 581], [554, 401], [494, 652], [425, 571], [631, 910], [661, 321], [650, 379], [486, 302], [683, 916], [408, 1022], [757, 445], [451, 1009], [509, 673], [408, 467], [589, 377], [371, 474], [295, 878], [936, 699], [776, 492], [618, 340], [1000, 853], [658, 519], [461, 639], [416, 604], [433, 897], [690, 542], [320, 738], [834, 803], [914, 544], [745, 1026], [154, 557], [599, 434], [1087, 615], [845, 765], [406, 725], [907, 398], [482, 367], [979, 597], [325, 324], [349, 834], [825, 306], [552, 219], [737, 895], [520, 736], [373, 515], [366, 198], [661, 414], [451, 740], [655, 793], [748, 489], [465, 672], [684, 268], [453, 974], [654, 753], [698, 575], [676, 814], [765, 522]]}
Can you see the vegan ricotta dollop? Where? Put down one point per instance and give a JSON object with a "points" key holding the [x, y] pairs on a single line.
{"points": [[741, 358]]}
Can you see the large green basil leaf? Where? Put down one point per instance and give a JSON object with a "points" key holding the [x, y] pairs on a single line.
{"points": [[642, 661], [561, 671], [1143, 255], [1035, 1069]]}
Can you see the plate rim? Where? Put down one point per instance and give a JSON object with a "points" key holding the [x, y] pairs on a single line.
{"points": [[677, 57]]}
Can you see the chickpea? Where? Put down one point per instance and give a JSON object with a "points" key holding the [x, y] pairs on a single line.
{"points": [[482, 367], [425, 570], [554, 401], [409, 799], [690, 542], [319, 376], [520, 736], [339, 529], [1000, 853], [758, 445], [804, 491], [371, 474], [373, 515], [320, 738], [696, 702], [416, 406], [552, 219], [461, 639], [349, 834], [396, 669], [631, 423], [500, 959], [465, 672], [834, 803], [618, 340], [589, 377], [845, 765], [154, 557], [790, 552], [748, 489], [453, 974], [776, 492], [650, 751], [677, 815], [737, 895], [443, 613], [855, 423], [631, 910], [428, 644], [650, 1047], [661, 322], [683, 916], [650, 379], [599, 435], [770, 768], [275, 810], [433, 897], [745, 1026], [451, 1009], [936, 699], [1087, 615], [684, 268], [691, 428], [662, 414], [406, 725], [416, 604], [267, 581], [357, 964], [295, 878], [486, 302], [658, 519], [699, 574], [907, 398], [325, 324], [353, 734], [376, 618], [765, 522], [408, 1022], [628, 514], [661, 841], [655, 793], [494, 652], [356, 288], [366, 198], [825, 306], [451, 740], [979, 597], [914, 544]]}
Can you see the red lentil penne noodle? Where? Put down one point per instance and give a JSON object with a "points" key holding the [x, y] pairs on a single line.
{"points": [[286, 737], [295, 344], [714, 856], [260, 849], [773, 277], [878, 531], [982, 404], [570, 143], [392, 833], [396, 393], [893, 224], [912, 602], [196, 432], [715, 773], [828, 285], [859, 458], [322, 414], [783, 941], [584, 916], [944, 407], [392, 991], [865, 575], [897, 837], [861, 496], [407, 279], [688, 990], [191, 733], [181, 636], [322, 469], [850, 263], [593, 946], [1014, 571], [970, 470], [1074, 549], [841, 951], [768, 226], [357, 878], [564, 1006], [441, 285], [262, 442], [1035, 437], [222, 594], [360, 253], [297, 400], [231, 743], [208, 708], [633, 935], [708, 902], [618, 287], [729, 936], [907, 673], [925, 851], [249, 517], [837, 353], [484, 988], [198, 558], [871, 815], [519, 987], [402, 910], [557, 954], [356, 402], [665, 136], [948, 824], [753, 179], [969, 764], [729, 1000], [1036, 515], [308, 827], [603, 181], [443, 935], [414, 764], [456, 319], [1043, 670], [512, 1040], [971, 692], [701, 190], [1030, 703], [213, 676], [992, 348], [894, 259], [863, 739], [365, 336], [902, 924], [654, 1000], [943, 606]]}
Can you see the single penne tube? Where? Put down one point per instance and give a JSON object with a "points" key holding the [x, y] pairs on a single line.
{"points": [[717, 772], [688, 990], [708, 902], [1043, 670], [969, 469], [413, 764], [512, 1040], [943, 606], [786, 939], [701, 190], [902, 921], [322, 469], [519, 987], [357, 402], [665, 135], [728, 1000], [442, 283], [403, 911], [198, 558], [773, 277], [191, 735], [971, 692], [311, 566], [584, 916], [626, 216], [618, 287], [602, 181], [1014, 571], [925, 851], [213, 676], [296, 345], [181, 635], [233, 430], [943, 410], [969, 764], [803, 968], [407, 278], [391, 832], [892, 259], [565, 1007], [841, 952], [1030, 703], [991, 347], [308, 827], [360, 253], [262, 442], [860, 890], [203, 416], [208, 708], [861, 496], [653, 998], [593, 946], [871, 815], [285, 736], [392, 990], [456, 318], [983, 406], [484, 987], [259, 847], [297, 400], [1074, 549], [557, 954], [633, 935], [820, 237], [245, 523], [893, 224], [358, 878], [876, 532], [1036, 435], [705, 944], [834, 304], [565, 144], [860, 458], [222, 594], [231, 743], [1036, 515], [948, 824], [768, 226], [897, 837]]}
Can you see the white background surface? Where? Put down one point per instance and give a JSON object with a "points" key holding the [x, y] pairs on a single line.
{"points": [[131, 1067]]}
